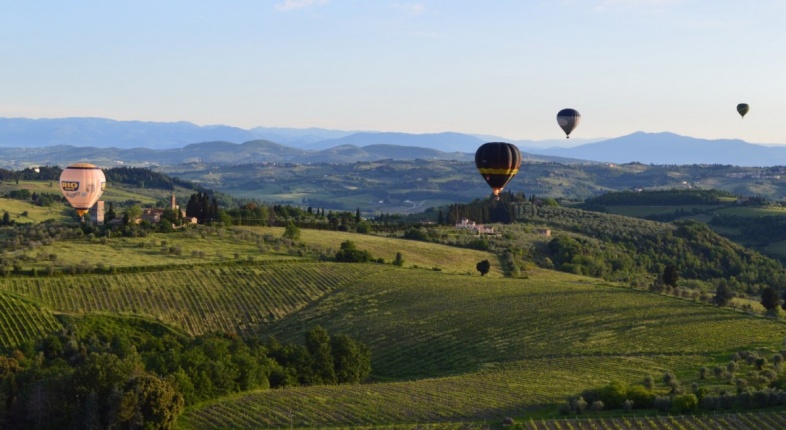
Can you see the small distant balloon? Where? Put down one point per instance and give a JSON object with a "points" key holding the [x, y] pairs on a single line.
{"points": [[82, 185], [742, 109], [568, 119], [498, 163]]}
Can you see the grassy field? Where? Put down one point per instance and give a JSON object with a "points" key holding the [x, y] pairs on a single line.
{"points": [[35, 214], [422, 254], [752, 212], [642, 211], [202, 246]]}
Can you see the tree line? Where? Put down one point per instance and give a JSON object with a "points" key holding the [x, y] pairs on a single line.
{"points": [[106, 377]]}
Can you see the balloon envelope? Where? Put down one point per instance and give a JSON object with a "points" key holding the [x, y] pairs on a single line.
{"points": [[82, 185], [742, 109], [498, 163], [568, 119]]}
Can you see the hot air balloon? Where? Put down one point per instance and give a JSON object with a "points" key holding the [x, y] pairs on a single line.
{"points": [[82, 184], [498, 163], [568, 119], [742, 109]]}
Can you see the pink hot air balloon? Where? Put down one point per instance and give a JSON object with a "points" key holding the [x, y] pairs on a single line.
{"points": [[82, 184]]}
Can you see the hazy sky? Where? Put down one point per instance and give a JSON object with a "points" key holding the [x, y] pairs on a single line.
{"points": [[491, 67]]}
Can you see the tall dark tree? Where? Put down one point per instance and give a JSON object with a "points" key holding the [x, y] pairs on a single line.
{"points": [[769, 299], [670, 276], [723, 295], [318, 345], [110, 213], [483, 267], [351, 360]]}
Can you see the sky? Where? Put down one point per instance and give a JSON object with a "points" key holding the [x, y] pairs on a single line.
{"points": [[495, 67]]}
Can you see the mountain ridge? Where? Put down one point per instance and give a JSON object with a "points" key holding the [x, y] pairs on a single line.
{"points": [[22, 139]]}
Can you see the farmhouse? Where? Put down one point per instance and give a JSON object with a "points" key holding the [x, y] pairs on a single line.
{"points": [[466, 224]]}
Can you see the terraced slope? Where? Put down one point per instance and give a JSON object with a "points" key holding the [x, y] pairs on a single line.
{"points": [[512, 390], [21, 320], [234, 299], [425, 324]]}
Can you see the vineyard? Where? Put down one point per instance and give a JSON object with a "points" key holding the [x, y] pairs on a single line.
{"points": [[514, 389], [739, 421], [200, 300], [425, 324], [449, 347], [21, 321]]}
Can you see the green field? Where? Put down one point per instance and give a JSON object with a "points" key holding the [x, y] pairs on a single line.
{"points": [[643, 211], [415, 253], [204, 246], [449, 347], [35, 214]]}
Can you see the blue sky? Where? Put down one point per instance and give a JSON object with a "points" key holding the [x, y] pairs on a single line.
{"points": [[502, 67]]}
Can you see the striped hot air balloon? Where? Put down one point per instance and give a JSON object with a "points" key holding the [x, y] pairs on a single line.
{"points": [[568, 119], [82, 185], [498, 163]]}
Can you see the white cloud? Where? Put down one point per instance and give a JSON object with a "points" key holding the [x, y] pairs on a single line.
{"points": [[298, 4], [411, 8]]}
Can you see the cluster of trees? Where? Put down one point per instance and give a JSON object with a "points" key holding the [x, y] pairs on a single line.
{"points": [[145, 178], [349, 253], [615, 247], [101, 379], [673, 197], [755, 234], [203, 207], [51, 173]]}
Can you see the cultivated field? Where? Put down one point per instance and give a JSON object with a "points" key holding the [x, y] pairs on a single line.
{"points": [[449, 347], [415, 253], [21, 320]]}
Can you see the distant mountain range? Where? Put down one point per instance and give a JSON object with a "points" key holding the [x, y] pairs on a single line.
{"points": [[107, 133], [59, 141]]}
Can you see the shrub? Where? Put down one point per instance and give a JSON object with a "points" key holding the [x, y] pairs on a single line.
{"points": [[640, 396], [685, 403]]}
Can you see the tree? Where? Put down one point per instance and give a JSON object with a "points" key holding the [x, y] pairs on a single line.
{"points": [[483, 267], [351, 360], [723, 295], [292, 231], [770, 300], [150, 403], [110, 213], [670, 276], [318, 345], [131, 213], [350, 254]]}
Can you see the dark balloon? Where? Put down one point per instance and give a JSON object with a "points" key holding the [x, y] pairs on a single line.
{"points": [[498, 163], [568, 119], [742, 109]]}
